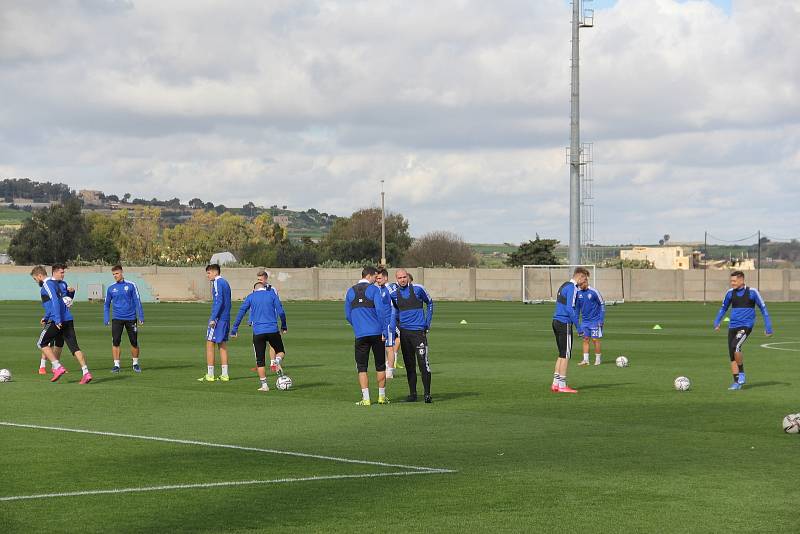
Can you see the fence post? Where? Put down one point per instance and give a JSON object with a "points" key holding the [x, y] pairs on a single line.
{"points": [[473, 284], [314, 283], [787, 285]]}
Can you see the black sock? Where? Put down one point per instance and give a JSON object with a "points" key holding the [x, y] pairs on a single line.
{"points": [[741, 368], [736, 377]]}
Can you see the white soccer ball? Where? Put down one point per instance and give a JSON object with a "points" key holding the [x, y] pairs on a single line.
{"points": [[622, 361], [682, 383], [791, 423], [283, 383], [67, 301], [5, 375]]}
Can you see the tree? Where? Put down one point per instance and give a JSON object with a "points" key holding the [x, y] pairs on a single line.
{"points": [[365, 226], [536, 252], [440, 249], [126, 197], [196, 204], [55, 234]]}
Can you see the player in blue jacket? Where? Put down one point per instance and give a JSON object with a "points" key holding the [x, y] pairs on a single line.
{"points": [[565, 316], [363, 309], [592, 309], [392, 339], [265, 309], [743, 300], [122, 299], [219, 323], [50, 333], [414, 321]]}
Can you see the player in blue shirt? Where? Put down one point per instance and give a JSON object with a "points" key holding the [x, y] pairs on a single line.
{"points": [[50, 332], [363, 309], [62, 317], [565, 316], [265, 308], [409, 301], [392, 339], [743, 300], [122, 299], [592, 309], [219, 323]]}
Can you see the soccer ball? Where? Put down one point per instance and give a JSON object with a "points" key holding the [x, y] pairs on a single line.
{"points": [[791, 423], [67, 302], [283, 383], [682, 383], [5, 375], [622, 361]]}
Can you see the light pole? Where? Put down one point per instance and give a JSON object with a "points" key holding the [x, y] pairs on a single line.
{"points": [[383, 227]]}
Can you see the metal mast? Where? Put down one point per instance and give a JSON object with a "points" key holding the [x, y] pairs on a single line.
{"points": [[580, 19], [383, 227]]}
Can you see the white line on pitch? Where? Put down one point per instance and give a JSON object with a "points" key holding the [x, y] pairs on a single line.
{"points": [[224, 446], [770, 345], [217, 485]]}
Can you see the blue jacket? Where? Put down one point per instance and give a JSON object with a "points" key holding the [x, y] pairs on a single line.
{"points": [[409, 307], [221, 305], [743, 314], [365, 314], [123, 299], [265, 308], [388, 309], [50, 298], [566, 303], [66, 315], [591, 306]]}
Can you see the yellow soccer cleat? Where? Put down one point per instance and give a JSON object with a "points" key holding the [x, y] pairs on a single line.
{"points": [[383, 400], [206, 378], [224, 378], [364, 402]]}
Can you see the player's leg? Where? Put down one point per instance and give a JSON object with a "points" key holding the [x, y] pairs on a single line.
{"points": [[407, 348], [388, 347], [597, 336], [260, 353], [48, 334], [276, 347], [733, 345], [421, 350], [133, 337], [223, 360], [273, 365], [585, 360], [738, 355], [398, 363], [71, 339], [563, 333], [362, 346], [379, 353], [116, 340]]}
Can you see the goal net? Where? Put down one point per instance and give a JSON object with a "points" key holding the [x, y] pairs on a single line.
{"points": [[540, 283]]}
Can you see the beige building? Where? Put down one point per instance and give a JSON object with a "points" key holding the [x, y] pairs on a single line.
{"points": [[661, 257]]}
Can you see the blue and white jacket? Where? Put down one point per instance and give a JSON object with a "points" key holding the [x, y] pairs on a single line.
{"points": [[122, 298], [743, 315], [363, 309], [221, 305], [265, 308], [592, 307], [408, 304], [566, 303]]}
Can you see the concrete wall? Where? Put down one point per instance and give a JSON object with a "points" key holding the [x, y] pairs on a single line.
{"points": [[190, 284]]}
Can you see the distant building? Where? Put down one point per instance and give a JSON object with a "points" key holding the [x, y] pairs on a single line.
{"points": [[221, 258], [5, 259], [91, 197], [282, 220], [661, 257]]}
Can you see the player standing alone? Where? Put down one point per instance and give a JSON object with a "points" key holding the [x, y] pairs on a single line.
{"points": [[592, 309], [743, 300], [122, 298], [565, 316], [219, 323]]}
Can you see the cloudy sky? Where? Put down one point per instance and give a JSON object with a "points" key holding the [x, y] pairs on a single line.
{"points": [[461, 106]]}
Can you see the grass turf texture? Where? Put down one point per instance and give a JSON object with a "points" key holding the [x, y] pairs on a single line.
{"points": [[626, 454]]}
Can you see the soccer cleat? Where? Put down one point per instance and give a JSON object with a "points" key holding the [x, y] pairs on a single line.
{"points": [[42, 371], [741, 380], [264, 387], [383, 400], [554, 388], [273, 367], [583, 363], [115, 369], [224, 378], [428, 399], [364, 402], [206, 378], [137, 368], [57, 373], [412, 398], [399, 365], [566, 389], [85, 379], [735, 386]]}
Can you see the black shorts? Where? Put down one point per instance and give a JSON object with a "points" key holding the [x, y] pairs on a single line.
{"points": [[117, 325], [363, 346], [260, 346], [736, 338], [70, 338], [50, 335], [563, 333]]}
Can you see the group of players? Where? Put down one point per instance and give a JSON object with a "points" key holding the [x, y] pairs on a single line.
{"points": [[579, 304], [384, 316]]}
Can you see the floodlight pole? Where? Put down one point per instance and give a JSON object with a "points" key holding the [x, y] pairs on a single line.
{"points": [[578, 22], [383, 227]]}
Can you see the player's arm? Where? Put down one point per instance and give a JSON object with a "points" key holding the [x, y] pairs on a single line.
{"points": [[280, 311], [764, 313], [107, 307], [425, 297], [726, 302], [572, 298], [137, 300], [55, 301], [347, 309], [602, 308], [239, 316], [216, 305]]}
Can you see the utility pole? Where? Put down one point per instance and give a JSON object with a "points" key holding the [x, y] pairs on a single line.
{"points": [[383, 227]]}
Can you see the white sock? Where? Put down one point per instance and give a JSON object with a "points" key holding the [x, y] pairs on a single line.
{"points": [[597, 357], [586, 356], [381, 392], [211, 370], [85, 369], [556, 378], [116, 363], [56, 364], [278, 360], [224, 370], [562, 382], [136, 361], [365, 393], [42, 362]]}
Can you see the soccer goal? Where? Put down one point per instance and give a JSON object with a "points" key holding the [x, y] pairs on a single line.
{"points": [[540, 283]]}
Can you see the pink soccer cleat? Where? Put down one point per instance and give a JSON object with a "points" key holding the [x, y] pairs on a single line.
{"points": [[554, 388], [566, 389], [57, 373], [42, 371], [85, 379]]}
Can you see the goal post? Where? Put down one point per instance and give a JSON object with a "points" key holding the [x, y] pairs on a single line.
{"points": [[540, 283]]}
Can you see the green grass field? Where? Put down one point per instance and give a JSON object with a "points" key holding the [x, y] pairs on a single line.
{"points": [[626, 454]]}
